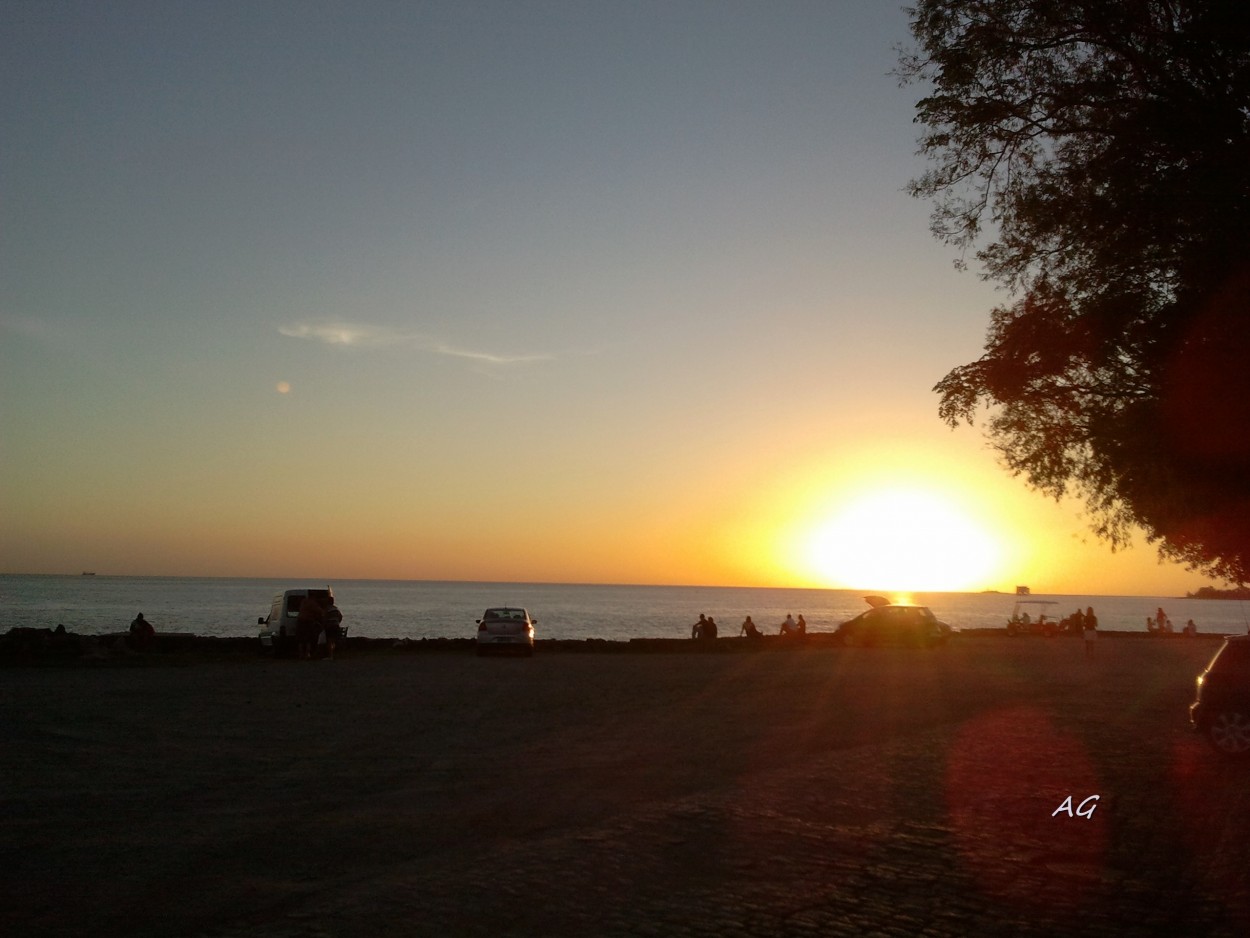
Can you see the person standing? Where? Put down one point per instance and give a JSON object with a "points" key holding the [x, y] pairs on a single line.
{"points": [[1090, 632], [308, 626], [334, 627]]}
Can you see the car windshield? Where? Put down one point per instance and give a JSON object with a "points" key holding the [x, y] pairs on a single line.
{"points": [[903, 613], [504, 613], [1234, 657], [324, 597]]}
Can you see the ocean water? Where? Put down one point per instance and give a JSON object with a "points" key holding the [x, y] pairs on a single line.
{"points": [[425, 609]]}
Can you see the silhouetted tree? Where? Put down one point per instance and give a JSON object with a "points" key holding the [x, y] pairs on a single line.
{"points": [[1095, 157]]}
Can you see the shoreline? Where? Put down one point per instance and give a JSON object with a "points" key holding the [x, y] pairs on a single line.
{"points": [[22, 645]]}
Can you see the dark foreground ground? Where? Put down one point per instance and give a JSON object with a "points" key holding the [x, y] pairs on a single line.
{"points": [[815, 791]]}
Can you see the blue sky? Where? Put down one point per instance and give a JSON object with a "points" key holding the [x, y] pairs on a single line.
{"points": [[404, 272]]}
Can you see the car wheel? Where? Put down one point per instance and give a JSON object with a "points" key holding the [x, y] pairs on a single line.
{"points": [[1229, 733]]}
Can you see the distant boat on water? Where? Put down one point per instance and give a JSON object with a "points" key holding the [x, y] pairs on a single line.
{"points": [[88, 573]]}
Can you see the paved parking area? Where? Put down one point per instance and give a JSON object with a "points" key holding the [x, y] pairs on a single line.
{"points": [[826, 792]]}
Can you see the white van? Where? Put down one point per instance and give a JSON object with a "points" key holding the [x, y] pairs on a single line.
{"points": [[277, 630]]}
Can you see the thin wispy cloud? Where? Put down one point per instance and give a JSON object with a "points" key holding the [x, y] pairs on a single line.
{"points": [[488, 357], [363, 335], [346, 333], [29, 327]]}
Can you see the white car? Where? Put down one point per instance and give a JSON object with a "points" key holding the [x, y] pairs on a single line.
{"points": [[506, 628], [278, 629]]}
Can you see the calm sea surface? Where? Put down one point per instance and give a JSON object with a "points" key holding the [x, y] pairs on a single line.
{"points": [[421, 609]]}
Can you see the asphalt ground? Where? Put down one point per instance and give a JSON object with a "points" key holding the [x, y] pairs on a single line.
{"points": [[811, 791]]}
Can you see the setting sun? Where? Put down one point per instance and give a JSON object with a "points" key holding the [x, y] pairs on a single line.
{"points": [[903, 539]]}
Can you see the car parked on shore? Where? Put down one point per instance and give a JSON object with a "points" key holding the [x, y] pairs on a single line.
{"points": [[278, 629], [506, 628], [1221, 707], [888, 623], [1033, 617]]}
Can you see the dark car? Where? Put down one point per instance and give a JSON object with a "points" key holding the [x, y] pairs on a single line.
{"points": [[1221, 707], [894, 624]]}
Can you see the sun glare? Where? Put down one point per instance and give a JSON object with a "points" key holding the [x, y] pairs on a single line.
{"points": [[903, 540]]}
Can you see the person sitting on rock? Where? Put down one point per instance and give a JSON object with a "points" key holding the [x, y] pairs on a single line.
{"points": [[142, 633], [696, 630]]}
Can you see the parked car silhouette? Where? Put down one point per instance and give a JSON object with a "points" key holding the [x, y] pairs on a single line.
{"points": [[888, 623], [277, 630], [1221, 707], [1033, 617]]}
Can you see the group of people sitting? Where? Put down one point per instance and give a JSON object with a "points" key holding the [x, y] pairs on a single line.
{"points": [[1160, 624], [706, 628]]}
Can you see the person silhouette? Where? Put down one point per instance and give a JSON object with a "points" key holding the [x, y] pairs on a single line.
{"points": [[308, 626], [141, 632], [1090, 632], [333, 627]]}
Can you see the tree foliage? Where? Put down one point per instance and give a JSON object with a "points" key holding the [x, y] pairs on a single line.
{"points": [[1094, 157]]}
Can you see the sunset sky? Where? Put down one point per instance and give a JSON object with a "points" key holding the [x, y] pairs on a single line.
{"points": [[565, 292]]}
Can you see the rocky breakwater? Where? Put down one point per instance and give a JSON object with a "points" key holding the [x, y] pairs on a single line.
{"points": [[45, 646]]}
